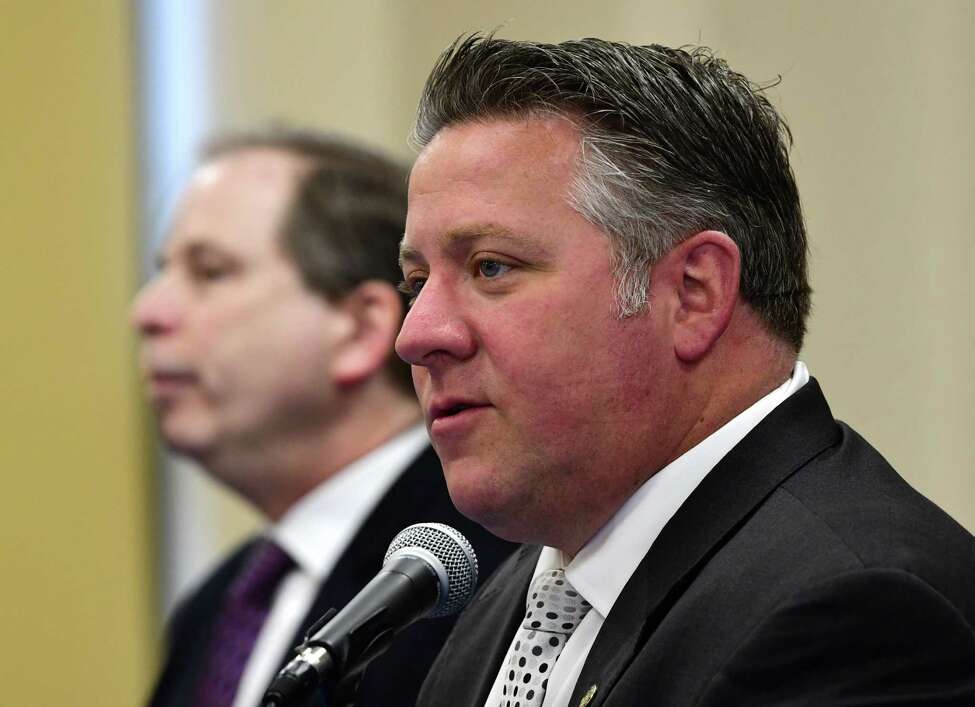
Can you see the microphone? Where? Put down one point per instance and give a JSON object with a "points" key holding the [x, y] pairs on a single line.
{"points": [[429, 570]]}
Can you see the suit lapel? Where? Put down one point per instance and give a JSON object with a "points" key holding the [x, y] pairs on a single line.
{"points": [[190, 629], [789, 437], [418, 495], [361, 560], [480, 640]]}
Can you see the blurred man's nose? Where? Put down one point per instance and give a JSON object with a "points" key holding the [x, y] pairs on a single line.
{"points": [[156, 308]]}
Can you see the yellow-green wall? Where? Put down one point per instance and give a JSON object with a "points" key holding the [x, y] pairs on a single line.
{"points": [[77, 600]]}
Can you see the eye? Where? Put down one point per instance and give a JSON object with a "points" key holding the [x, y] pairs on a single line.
{"points": [[411, 287], [492, 268], [204, 266], [209, 272]]}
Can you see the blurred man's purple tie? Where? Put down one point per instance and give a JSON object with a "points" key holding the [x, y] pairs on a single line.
{"points": [[244, 612]]}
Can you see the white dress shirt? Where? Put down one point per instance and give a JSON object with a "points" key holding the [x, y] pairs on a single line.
{"points": [[604, 565], [315, 533]]}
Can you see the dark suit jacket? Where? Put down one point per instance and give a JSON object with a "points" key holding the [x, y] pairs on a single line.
{"points": [[419, 495], [803, 570]]}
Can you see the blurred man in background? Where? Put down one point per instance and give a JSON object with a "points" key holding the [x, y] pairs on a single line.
{"points": [[608, 261], [267, 336]]}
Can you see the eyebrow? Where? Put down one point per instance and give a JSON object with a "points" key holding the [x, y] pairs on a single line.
{"points": [[408, 254], [461, 238]]}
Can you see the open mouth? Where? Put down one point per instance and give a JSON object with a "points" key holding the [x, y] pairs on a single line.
{"points": [[163, 383], [450, 411], [172, 377], [454, 410]]}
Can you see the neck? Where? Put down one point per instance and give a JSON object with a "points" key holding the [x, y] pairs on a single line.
{"points": [[742, 369], [274, 474]]}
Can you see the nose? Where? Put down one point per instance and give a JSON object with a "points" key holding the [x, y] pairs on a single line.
{"points": [[434, 331], [156, 309]]}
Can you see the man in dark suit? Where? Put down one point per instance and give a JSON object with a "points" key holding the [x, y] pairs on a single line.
{"points": [[267, 346], [607, 258]]}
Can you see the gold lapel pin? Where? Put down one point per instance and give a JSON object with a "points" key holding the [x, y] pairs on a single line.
{"points": [[587, 698]]}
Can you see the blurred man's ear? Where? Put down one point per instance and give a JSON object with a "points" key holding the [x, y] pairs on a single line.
{"points": [[377, 311], [707, 268]]}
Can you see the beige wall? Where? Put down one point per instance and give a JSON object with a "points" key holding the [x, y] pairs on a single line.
{"points": [[77, 598]]}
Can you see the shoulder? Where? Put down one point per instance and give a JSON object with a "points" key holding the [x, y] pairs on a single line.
{"points": [[189, 629], [200, 605], [852, 584], [861, 636], [857, 504]]}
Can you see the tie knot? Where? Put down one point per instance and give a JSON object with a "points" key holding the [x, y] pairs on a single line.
{"points": [[266, 566], [554, 606]]}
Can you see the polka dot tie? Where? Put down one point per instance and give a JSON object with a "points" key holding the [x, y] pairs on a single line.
{"points": [[246, 606], [553, 612]]}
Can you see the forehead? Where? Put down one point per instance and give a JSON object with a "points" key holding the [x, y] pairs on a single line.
{"points": [[237, 200], [533, 152], [500, 176]]}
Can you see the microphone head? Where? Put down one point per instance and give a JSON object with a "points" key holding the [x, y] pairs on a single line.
{"points": [[453, 561]]}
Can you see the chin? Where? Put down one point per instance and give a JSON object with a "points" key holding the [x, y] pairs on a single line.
{"points": [[186, 438], [485, 503]]}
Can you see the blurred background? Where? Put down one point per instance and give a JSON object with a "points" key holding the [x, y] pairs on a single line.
{"points": [[105, 101]]}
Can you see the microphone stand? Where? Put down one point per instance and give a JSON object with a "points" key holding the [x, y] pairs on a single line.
{"points": [[341, 644], [284, 693]]}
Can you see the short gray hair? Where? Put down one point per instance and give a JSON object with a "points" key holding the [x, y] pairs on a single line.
{"points": [[673, 142]]}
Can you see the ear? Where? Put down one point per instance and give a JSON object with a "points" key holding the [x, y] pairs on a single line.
{"points": [[377, 312], [708, 268]]}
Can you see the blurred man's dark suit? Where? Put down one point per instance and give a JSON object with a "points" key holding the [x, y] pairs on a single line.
{"points": [[803, 570], [419, 495]]}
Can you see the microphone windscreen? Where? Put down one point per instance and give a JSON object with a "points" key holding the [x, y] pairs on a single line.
{"points": [[452, 551]]}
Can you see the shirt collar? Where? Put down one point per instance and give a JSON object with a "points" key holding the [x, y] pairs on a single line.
{"points": [[317, 529], [604, 565]]}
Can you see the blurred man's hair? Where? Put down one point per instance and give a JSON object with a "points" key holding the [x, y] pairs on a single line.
{"points": [[346, 218], [673, 142]]}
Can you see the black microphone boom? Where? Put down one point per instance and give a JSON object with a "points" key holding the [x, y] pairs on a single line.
{"points": [[429, 570]]}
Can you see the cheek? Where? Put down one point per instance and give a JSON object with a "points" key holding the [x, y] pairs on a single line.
{"points": [[554, 344], [421, 378], [219, 334], [548, 366], [254, 351], [569, 376], [296, 353]]}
